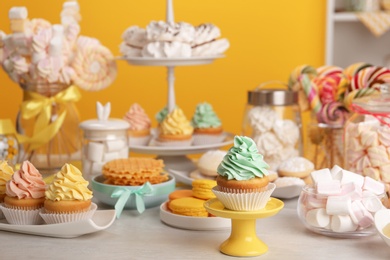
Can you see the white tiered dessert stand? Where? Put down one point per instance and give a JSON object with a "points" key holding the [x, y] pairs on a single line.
{"points": [[175, 159]]}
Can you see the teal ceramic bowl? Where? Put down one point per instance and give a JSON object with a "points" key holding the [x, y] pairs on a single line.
{"points": [[152, 196]]}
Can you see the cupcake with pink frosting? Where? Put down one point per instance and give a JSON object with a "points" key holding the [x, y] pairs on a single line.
{"points": [[140, 124], [25, 195]]}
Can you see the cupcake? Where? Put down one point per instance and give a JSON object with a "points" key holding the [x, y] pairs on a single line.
{"points": [[25, 195], [139, 131], [242, 181], [207, 125], [175, 130], [6, 172], [68, 197]]}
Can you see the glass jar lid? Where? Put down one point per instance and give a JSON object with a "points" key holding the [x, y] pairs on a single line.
{"points": [[272, 97], [103, 123]]}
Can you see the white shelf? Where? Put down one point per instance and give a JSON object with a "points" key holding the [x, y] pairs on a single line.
{"points": [[345, 17], [348, 40]]}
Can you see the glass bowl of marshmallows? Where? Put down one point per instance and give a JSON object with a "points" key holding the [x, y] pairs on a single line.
{"points": [[341, 203]]}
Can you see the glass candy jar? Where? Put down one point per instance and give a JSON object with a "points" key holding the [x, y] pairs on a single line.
{"points": [[367, 137], [104, 140], [48, 120], [272, 119], [9, 145]]}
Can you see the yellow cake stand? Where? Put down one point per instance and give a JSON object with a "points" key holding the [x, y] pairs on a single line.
{"points": [[243, 240]]}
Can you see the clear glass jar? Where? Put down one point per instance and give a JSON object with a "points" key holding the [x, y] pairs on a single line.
{"points": [[324, 146], [272, 119], [362, 5], [9, 145], [103, 140], [49, 120], [367, 137]]}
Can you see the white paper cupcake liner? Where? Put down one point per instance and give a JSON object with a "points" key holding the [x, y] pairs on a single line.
{"points": [[244, 201], [141, 141], [174, 143], [204, 139], [54, 218], [21, 217]]}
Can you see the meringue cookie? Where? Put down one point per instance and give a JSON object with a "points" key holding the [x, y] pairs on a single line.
{"points": [[162, 31], [287, 131], [262, 118], [204, 33], [167, 50], [268, 144], [129, 51], [135, 36], [212, 48]]}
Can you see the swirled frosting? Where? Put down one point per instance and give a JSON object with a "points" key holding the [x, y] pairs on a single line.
{"points": [[6, 172], [242, 161], [68, 184], [26, 183], [176, 123], [205, 117], [137, 118], [333, 113]]}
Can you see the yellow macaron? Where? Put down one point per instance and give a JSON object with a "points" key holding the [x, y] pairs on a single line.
{"points": [[201, 188], [188, 207]]}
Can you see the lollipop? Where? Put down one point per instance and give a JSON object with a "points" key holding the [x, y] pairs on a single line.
{"points": [[94, 67], [295, 83], [333, 113]]}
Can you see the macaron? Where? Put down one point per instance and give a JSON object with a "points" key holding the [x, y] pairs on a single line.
{"points": [[188, 207], [201, 188], [177, 194], [209, 161]]}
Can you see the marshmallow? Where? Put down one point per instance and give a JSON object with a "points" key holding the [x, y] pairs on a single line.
{"points": [[87, 167], [385, 172], [352, 190], [372, 204], [369, 138], [373, 186], [57, 30], [372, 172], [323, 175], [110, 156], [115, 145], [95, 151], [360, 215], [378, 155], [347, 176], [124, 153], [335, 172], [338, 205], [96, 168], [18, 13], [332, 187], [18, 25], [318, 218], [55, 47], [342, 223]]}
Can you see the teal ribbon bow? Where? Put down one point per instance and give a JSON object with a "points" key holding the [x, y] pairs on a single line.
{"points": [[124, 195]]}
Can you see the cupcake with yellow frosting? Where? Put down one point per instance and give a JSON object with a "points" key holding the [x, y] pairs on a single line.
{"points": [[207, 125], [25, 194], [242, 181], [6, 173], [175, 130], [68, 197], [140, 124]]}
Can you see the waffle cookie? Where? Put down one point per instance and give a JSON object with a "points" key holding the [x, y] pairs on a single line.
{"points": [[134, 171]]}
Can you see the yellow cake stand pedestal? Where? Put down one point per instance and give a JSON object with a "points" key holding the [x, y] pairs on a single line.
{"points": [[243, 240]]}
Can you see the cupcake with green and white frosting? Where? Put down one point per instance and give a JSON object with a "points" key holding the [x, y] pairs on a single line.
{"points": [[207, 125], [242, 181]]}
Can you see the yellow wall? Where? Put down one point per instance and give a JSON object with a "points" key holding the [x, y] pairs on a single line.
{"points": [[268, 39]]}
